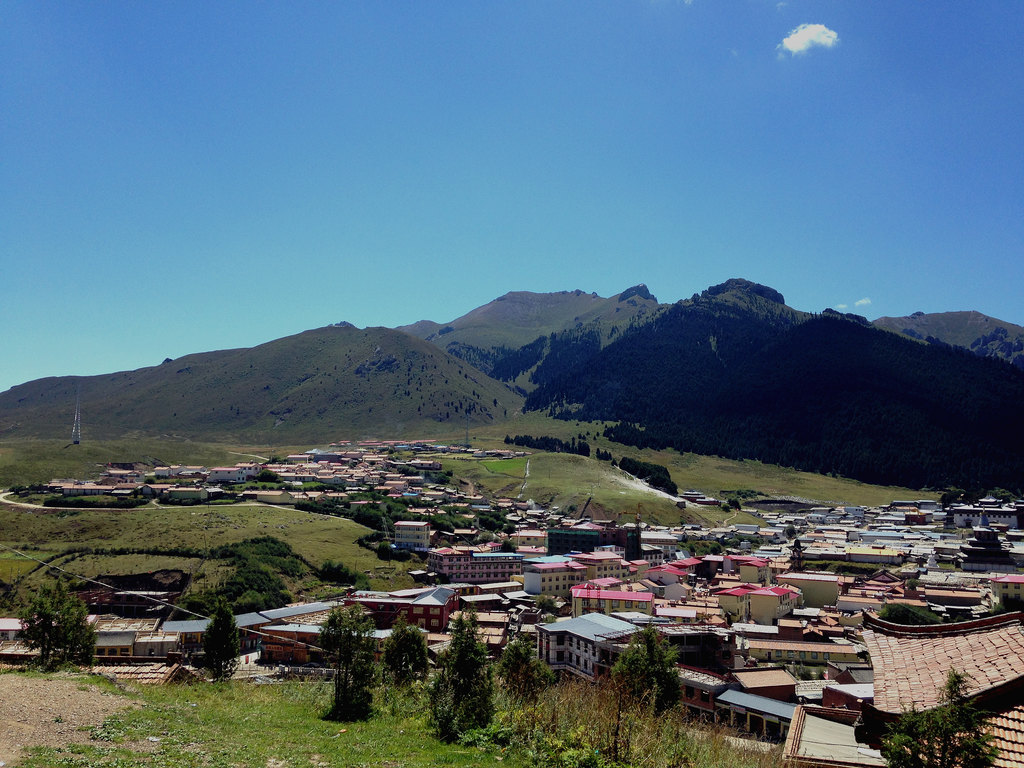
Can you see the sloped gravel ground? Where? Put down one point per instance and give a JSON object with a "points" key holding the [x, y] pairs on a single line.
{"points": [[50, 712]]}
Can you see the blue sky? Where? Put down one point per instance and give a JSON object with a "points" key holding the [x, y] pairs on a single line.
{"points": [[178, 177]]}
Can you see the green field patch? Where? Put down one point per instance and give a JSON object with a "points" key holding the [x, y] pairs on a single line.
{"points": [[508, 467]]}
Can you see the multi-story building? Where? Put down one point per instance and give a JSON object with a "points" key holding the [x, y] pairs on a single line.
{"points": [[586, 600], [413, 535], [769, 604], [602, 565], [529, 537], [735, 601], [428, 608], [754, 570], [1009, 587], [581, 645], [587, 537], [819, 589], [471, 566], [554, 575]]}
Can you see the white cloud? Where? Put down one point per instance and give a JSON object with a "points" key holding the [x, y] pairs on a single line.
{"points": [[807, 36], [862, 302], [842, 306]]}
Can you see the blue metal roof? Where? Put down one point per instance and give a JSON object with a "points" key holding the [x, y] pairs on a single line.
{"points": [[296, 610], [591, 626], [760, 704], [188, 625]]}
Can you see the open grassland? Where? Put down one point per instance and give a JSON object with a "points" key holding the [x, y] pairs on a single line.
{"points": [[712, 475], [566, 481], [23, 462], [316, 538]]}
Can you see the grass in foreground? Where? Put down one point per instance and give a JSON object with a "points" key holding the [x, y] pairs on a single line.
{"points": [[243, 724], [237, 724]]}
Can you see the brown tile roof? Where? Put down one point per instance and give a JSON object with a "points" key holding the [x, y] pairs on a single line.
{"points": [[761, 678], [150, 674], [912, 670], [1007, 728]]}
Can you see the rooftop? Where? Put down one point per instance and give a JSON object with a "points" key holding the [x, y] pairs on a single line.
{"points": [[762, 678], [592, 626], [911, 670]]}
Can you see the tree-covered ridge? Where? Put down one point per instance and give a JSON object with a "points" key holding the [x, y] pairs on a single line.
{"points": [[738, 374], [550, 444], [655, 474]]}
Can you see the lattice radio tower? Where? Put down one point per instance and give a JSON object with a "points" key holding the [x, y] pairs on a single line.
{"points": [[76, 430]]}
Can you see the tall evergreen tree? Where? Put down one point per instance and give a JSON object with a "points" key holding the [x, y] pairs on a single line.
{"points": [[56, 624], [950, 735], [347, 639], [220, 642], [646, 670], [521, 672], [405, 653], [462, 694]]}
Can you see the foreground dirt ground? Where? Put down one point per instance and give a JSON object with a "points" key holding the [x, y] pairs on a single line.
{"points": [[50, 712]]}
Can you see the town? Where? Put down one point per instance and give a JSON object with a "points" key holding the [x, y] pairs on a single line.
{"points": [[793, 629]]}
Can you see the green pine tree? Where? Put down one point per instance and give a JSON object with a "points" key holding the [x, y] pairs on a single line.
{"points": [[220, 642], [949, 735], [646, 670], [347, 639], [405, 653], [56, 624], [462, 694], [523, 675]]}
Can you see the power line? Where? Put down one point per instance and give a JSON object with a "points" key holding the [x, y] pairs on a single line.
{"points": [[144, 596]]}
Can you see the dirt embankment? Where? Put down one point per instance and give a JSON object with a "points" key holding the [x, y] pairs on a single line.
{"points": [[50, 712]]}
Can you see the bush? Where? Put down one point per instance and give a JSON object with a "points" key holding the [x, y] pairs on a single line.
{"points": [[900, 613]]}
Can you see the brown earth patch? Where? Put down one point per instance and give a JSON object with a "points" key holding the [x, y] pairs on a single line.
{"points": [[50, 711]]}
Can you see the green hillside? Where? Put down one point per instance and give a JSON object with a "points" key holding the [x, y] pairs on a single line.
{"points": [[323, 384], [488, 334]]}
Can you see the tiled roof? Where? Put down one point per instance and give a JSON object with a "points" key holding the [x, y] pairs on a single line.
{"points": [[912, 670], [1007, 728], [801, 645], [153, 674], [760, 678]]}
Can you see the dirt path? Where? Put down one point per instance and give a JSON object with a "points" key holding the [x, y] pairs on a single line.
{"points": [[50, 712], [264, 459], [526, 475]]}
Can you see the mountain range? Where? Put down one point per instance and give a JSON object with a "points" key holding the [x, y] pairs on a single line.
{"points": [[920, 401]]}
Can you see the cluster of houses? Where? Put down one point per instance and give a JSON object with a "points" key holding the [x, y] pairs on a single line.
{"points": [[780, 652], [367, 466], [767, 640]]}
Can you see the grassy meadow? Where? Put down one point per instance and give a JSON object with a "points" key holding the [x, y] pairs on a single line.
{"points": [[65, 538], [712, 475], [23, 462]]}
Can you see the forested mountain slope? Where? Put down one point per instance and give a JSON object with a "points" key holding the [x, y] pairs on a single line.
{"points": [[736, 374]]}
